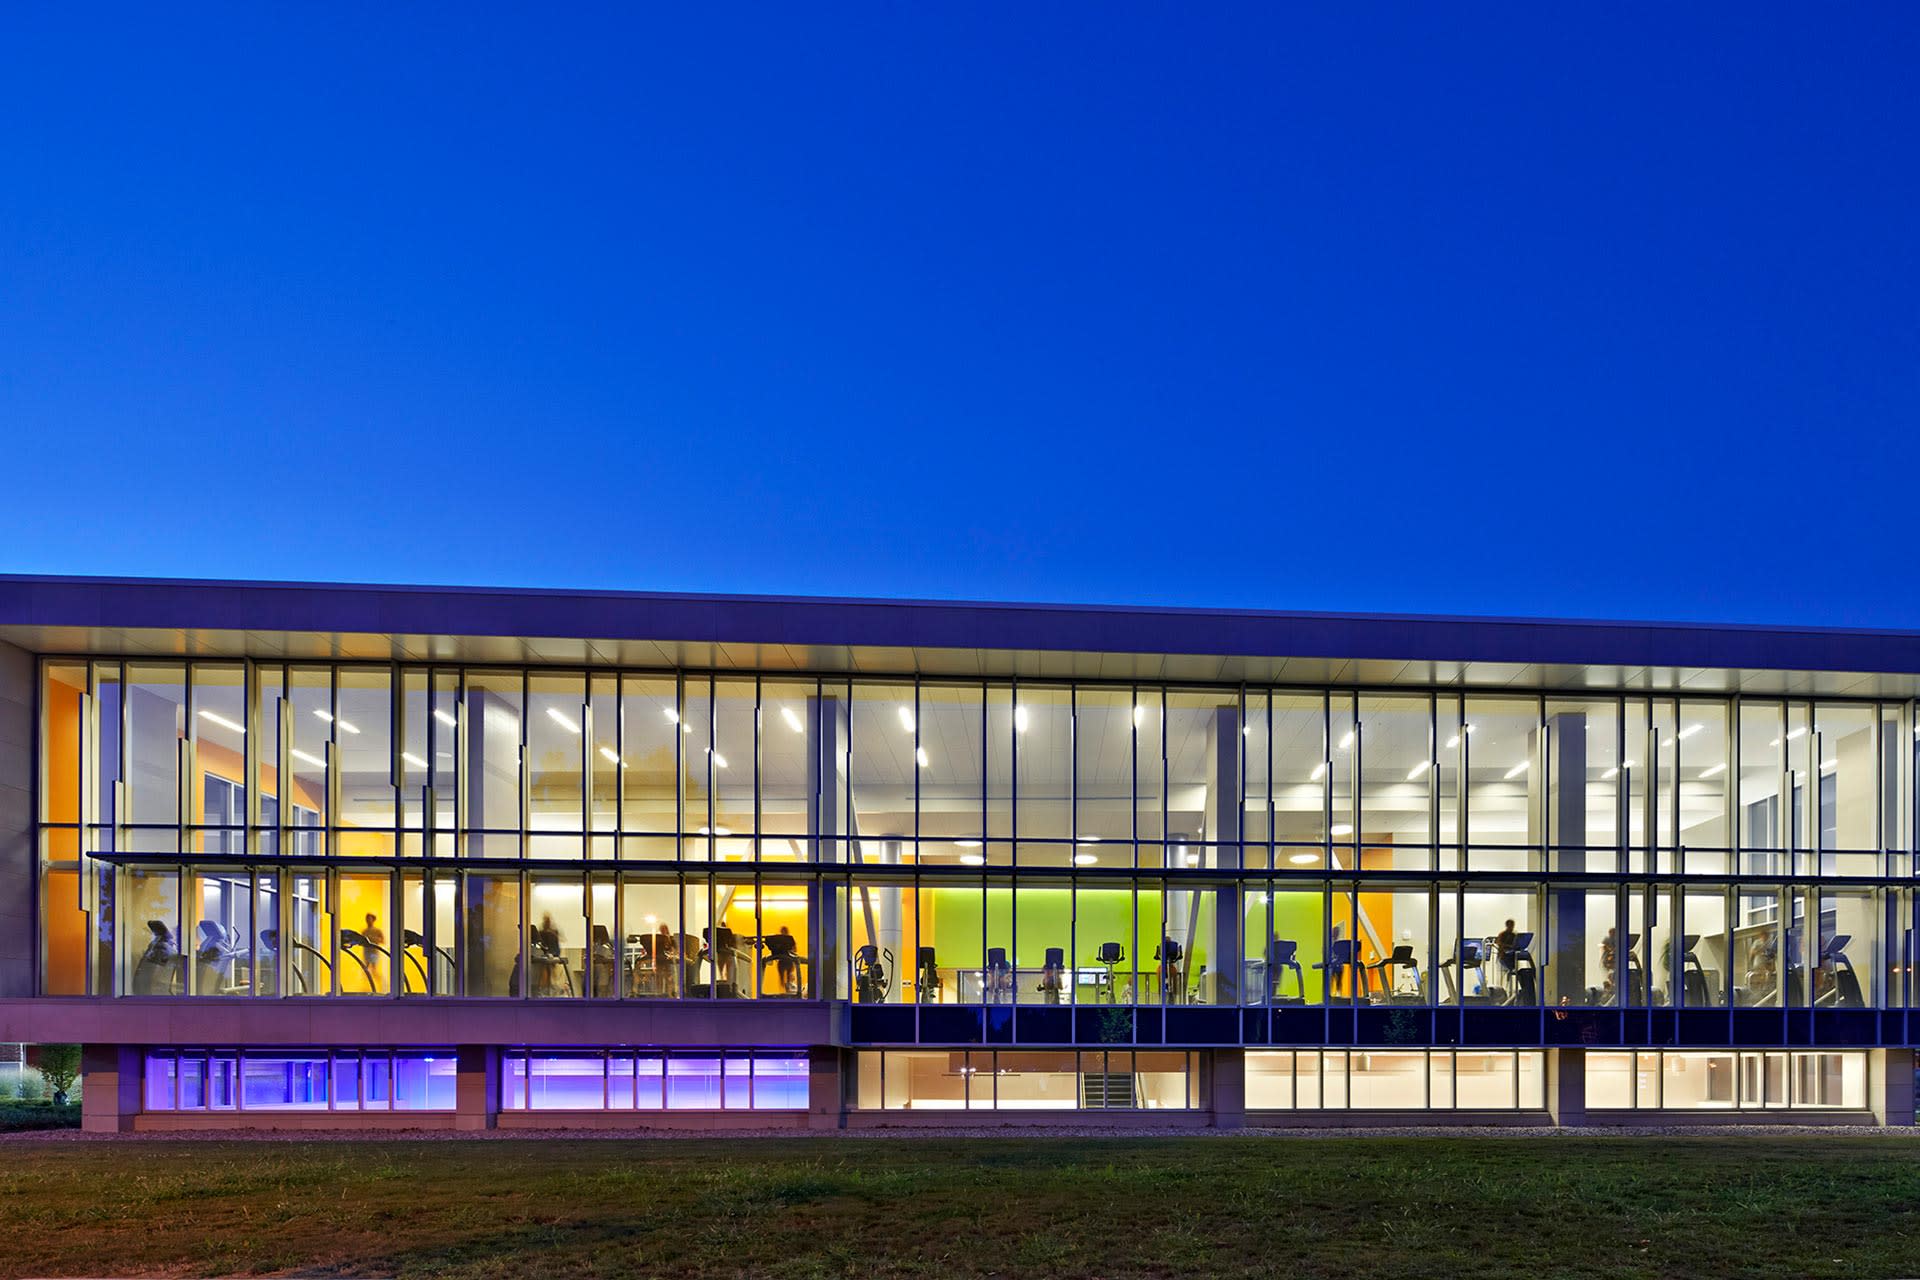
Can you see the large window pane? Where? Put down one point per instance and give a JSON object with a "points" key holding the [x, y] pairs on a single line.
{"points": [[1043, 747], [885, 733], [556, 757], [491, 767], [1583, 760], [1396, 781], [651, 739], [363, 745], [952, 733], [491, 961], [1103, 766]]}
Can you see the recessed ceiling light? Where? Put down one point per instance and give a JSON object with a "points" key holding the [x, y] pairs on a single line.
{"points": [[562, 719], [1346, 740], [1319, 772], [1139, 713], [1020, 719], [906, 718], [1343, 828], [1303, 859], [214, 717], [445, 717], [612, 757], [1518, 769], [793, 721], [920, 754], [328, 717], [1413, 775], [413, 759], [1710, 772], [1691, 729], [967, 844], [1084, 859], [719, 761], [308, 757], [972, 860]]}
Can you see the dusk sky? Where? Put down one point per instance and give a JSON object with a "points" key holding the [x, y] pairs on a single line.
{"points": [[1492, 309]]}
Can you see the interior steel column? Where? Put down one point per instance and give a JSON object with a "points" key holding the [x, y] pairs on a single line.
{"points": [[1566, 765]]}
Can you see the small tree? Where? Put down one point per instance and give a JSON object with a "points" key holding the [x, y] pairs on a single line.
{"points": [[60, 1064]]}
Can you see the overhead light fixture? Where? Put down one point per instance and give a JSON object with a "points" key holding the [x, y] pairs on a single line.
{"points": [[718, 831], [1246, 730], [1795, 733], [920, 754], [214, 717], [1303, 859], [612, 756], [1347, 740], [719, 761], [906, 718], [1319, 772], [972, 860], [1139, 714], [967, 844], [445, 717], [1609, 775], [793, 721], [308, 757], [1518, 769], [413, 759], [1690, 730], [1193, 859], [562, 719], [1084, 859], [1413, 775], [1713, 770], [1343, 828], [1020, 719], [653, 919], [1453, 742], [670, 714], [328, 717]]}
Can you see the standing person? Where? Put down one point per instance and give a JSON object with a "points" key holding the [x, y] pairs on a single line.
{"points": [[373, 932], [1505, 944]]}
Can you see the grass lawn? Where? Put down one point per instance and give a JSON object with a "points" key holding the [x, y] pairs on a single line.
{"points": [[1386, 1207]]}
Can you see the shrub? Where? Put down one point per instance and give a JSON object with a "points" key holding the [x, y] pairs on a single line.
{"points": [[59, 1066]]}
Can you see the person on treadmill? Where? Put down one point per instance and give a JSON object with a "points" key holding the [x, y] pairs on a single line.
{"points": [[1505, 944]]}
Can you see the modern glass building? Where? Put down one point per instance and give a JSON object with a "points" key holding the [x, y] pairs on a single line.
{"points": [[373, 856]]}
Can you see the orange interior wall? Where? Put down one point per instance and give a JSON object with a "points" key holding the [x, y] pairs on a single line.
{"points": [[63, 924]]}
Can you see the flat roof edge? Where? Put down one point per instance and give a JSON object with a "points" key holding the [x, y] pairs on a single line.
{"points": [[386, 609]]}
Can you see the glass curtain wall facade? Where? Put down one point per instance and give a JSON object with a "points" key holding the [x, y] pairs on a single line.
{"points": [[1106, 868], [237, 831]]}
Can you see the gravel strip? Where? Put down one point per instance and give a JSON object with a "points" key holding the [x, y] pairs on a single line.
{"points": [[1299, 1133]]}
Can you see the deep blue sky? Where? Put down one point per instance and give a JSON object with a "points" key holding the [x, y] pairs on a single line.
{"points": [[1536, 309]]}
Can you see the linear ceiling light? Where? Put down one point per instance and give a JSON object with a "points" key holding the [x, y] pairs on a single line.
{"points": [[214, 717]]}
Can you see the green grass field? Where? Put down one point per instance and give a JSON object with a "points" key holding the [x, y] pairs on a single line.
{"points": [[1249, 1206]]}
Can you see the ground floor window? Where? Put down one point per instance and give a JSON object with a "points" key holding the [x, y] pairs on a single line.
{"points": [[1027, 1080], [1399, 1080], [656, 1080], [299, 1080], [1724, 1080]]}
